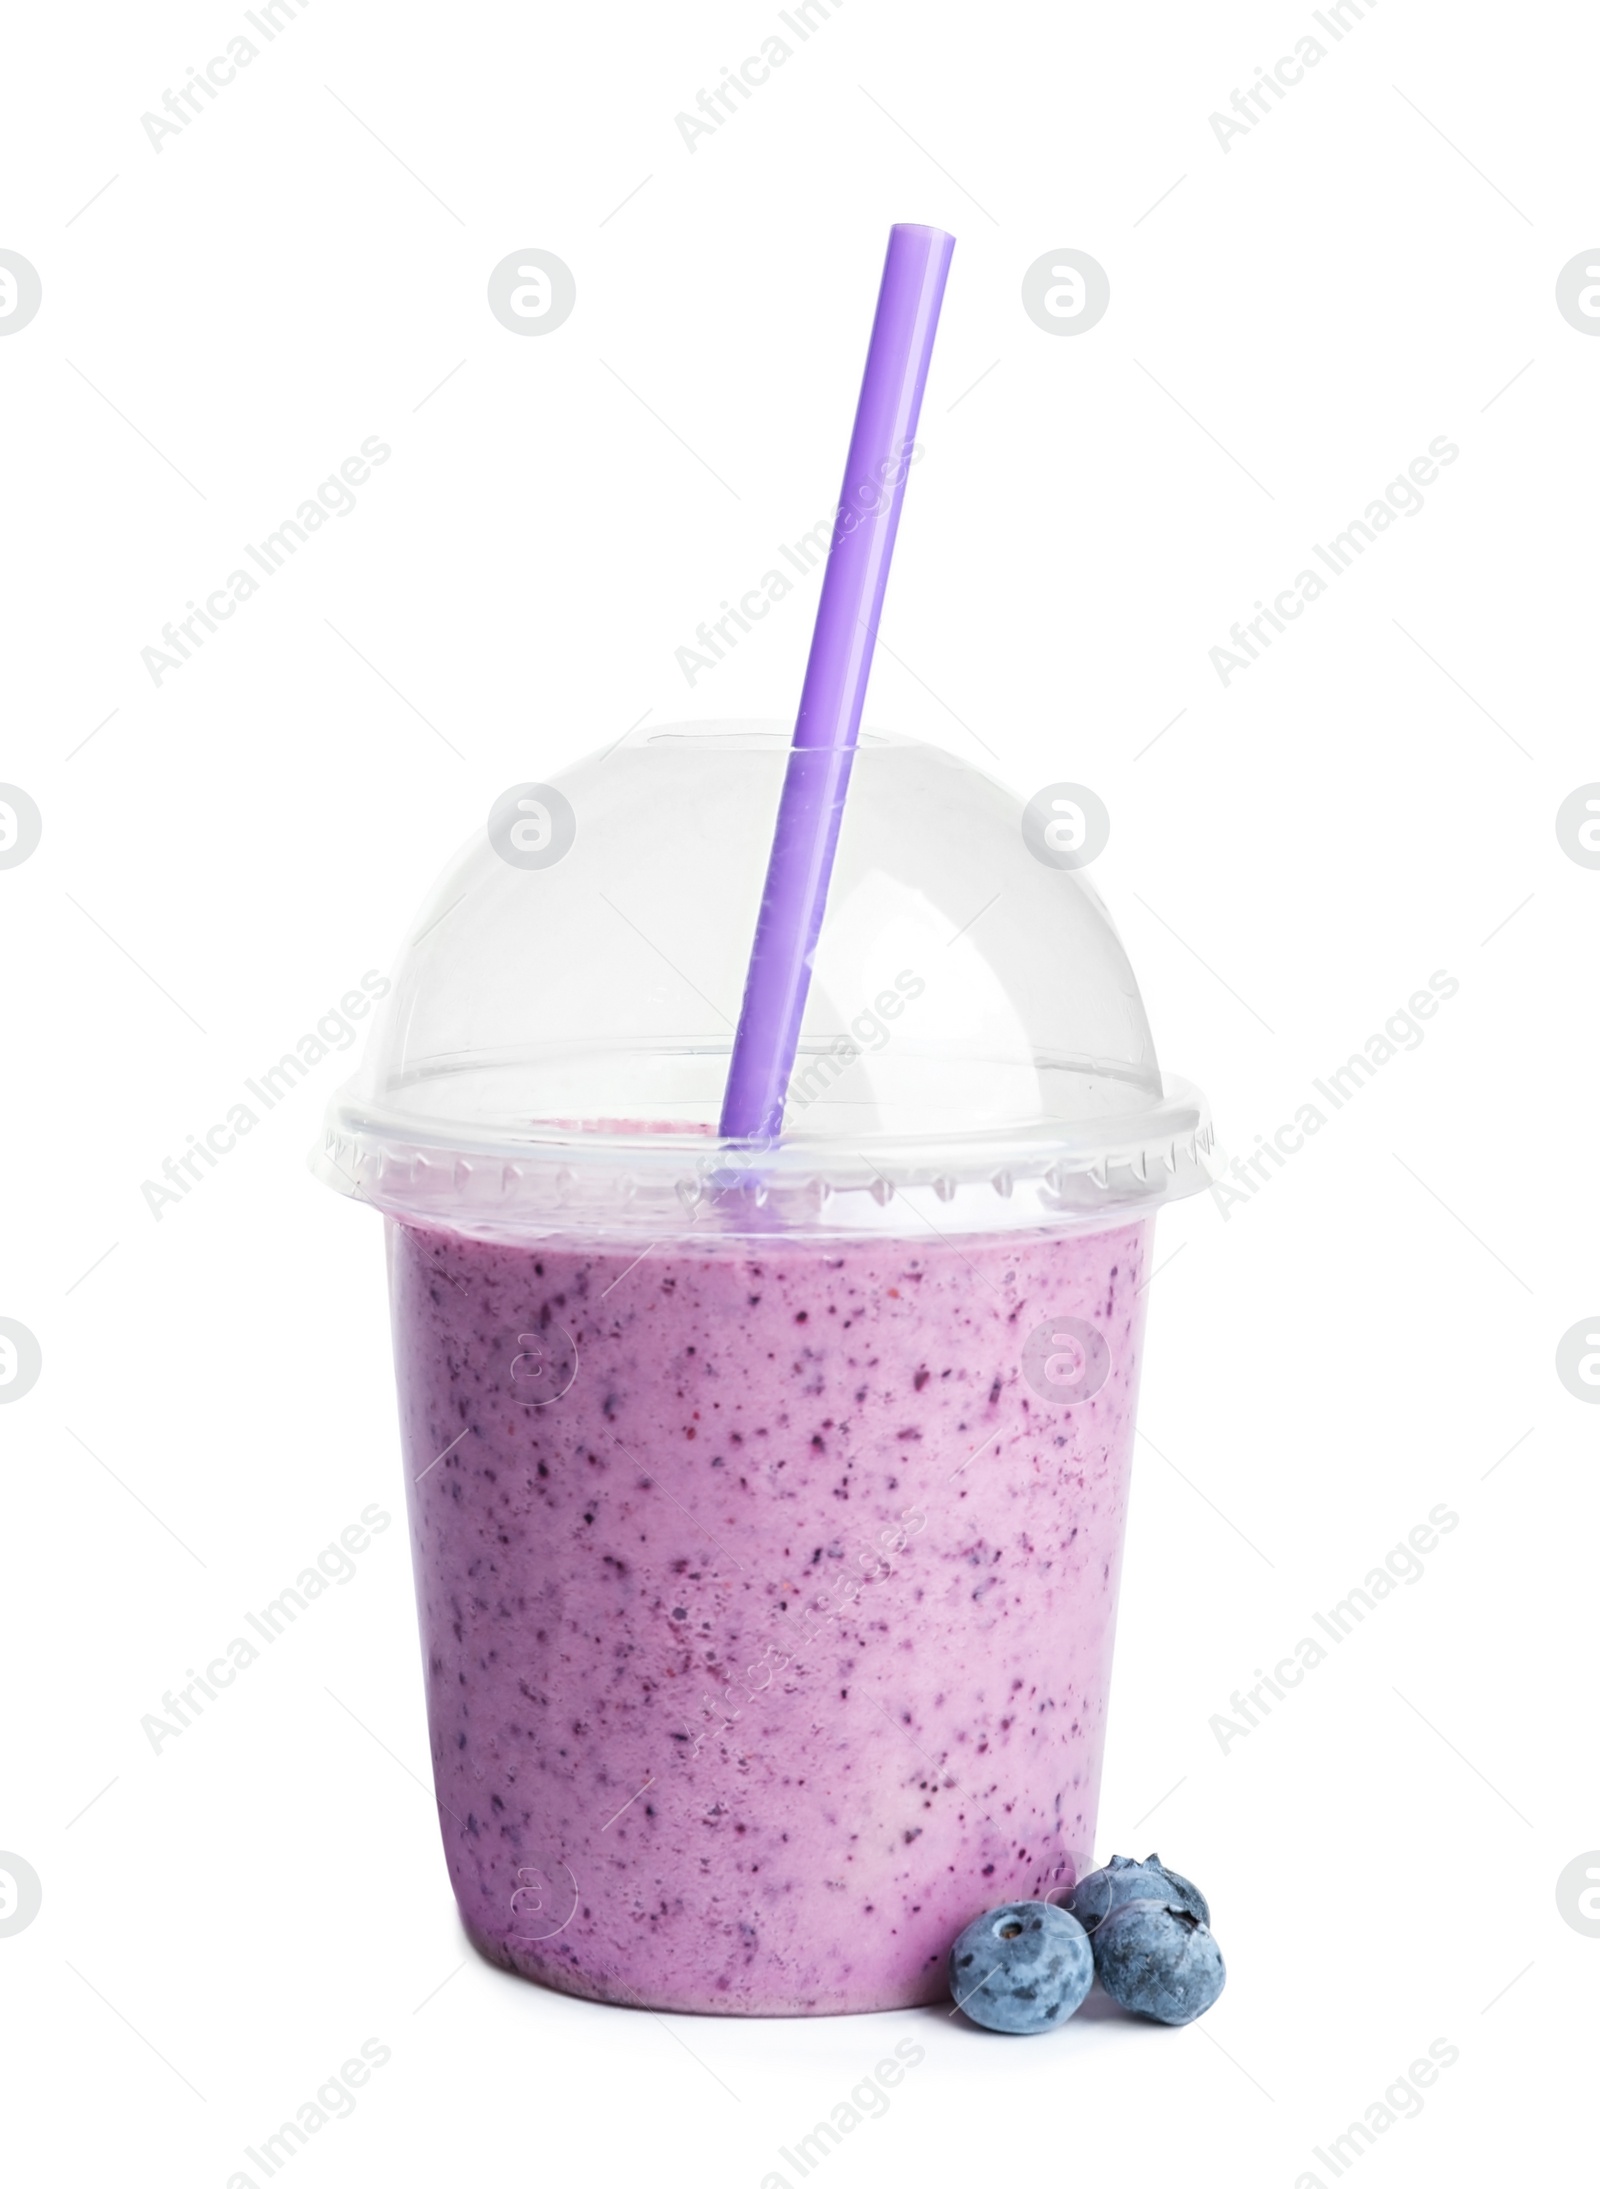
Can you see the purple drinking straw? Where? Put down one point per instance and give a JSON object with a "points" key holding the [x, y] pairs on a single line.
{"points": [[825, 729]]}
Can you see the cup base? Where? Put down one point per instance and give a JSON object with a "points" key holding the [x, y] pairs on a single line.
{"points": [[548, 1966]]}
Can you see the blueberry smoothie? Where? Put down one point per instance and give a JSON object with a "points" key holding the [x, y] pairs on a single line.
{"points": [[767, 1592]]}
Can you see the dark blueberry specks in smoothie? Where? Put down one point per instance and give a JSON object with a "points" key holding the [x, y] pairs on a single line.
{"points": [[776, 1645]]}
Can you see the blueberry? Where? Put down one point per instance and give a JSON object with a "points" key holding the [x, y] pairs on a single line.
{"points": [[1021, 1968], [1158, 1960], [1122, 1880]]}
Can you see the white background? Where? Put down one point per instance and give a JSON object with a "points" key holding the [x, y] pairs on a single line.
{"points": [[1294, 321]]}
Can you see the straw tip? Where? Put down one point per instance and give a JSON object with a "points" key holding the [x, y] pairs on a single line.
{"points": [[916, 228]]}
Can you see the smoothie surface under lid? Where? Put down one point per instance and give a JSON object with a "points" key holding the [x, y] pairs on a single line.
{"points": [[554, 1046]]}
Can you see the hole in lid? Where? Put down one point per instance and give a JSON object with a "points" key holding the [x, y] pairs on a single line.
{"points": [[751, 736]]}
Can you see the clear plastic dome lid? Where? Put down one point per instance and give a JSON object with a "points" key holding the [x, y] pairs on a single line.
{"points": [[552, 1053]]}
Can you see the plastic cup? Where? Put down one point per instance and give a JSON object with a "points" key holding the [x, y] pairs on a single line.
{"points": [[767, 1536]]}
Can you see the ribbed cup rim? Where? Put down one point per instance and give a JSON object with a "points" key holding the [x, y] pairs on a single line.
{"points": [[545, 1178]]}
